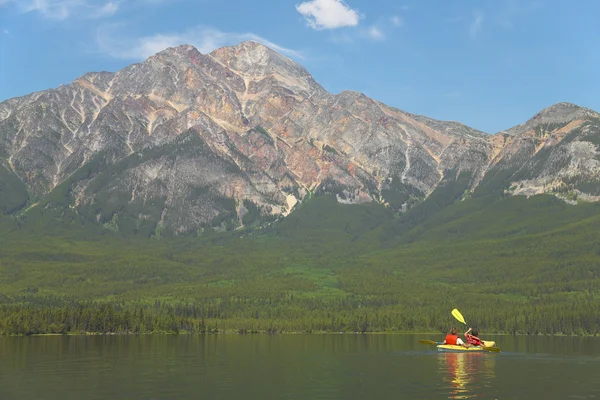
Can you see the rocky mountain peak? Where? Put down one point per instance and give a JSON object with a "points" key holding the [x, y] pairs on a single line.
{"points": [[564, 112], [256, 61], [560, 113], [253, 58], [184, 50], [178, 56]]}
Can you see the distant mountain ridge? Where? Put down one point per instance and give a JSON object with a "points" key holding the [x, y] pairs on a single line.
{"points": [[186, 141]]}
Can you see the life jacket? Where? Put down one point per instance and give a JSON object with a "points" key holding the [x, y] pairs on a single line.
{"points": [[451, 339], [474, 340]]}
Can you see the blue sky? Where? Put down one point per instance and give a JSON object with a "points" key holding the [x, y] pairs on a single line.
{"points": [[490, 64]]}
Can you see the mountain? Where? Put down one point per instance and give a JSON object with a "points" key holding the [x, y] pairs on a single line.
{"points": [[556, 152], [186, 141]]}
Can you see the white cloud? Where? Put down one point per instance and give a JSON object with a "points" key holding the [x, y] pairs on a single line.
{"points": [[59, 9], [328, 14], [375, 33], [119, 45], [63, 9], [476, 25], [397, 21]]}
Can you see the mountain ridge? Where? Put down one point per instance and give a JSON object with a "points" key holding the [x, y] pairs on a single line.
{"points": [[273, 136]]}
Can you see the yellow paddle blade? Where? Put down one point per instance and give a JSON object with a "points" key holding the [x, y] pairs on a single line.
{"points": [[456, 314]]}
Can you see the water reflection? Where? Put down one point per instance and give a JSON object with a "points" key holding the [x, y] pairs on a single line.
{"points": [[466, 374], [249, 367]]}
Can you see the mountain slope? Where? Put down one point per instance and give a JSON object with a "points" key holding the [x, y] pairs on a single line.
{"points": [[554, 152], [189, 141], [516, 266]]}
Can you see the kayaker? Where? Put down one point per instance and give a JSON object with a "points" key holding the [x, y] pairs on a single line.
{"points": [[453, 339], [473, 337]]}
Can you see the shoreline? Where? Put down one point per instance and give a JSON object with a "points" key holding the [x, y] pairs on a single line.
{"points": [[185, 333]]}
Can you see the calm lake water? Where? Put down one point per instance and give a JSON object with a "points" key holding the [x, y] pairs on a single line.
{"points": [[294, 367]]}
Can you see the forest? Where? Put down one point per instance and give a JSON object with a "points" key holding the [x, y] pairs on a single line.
{"points": [[511, 265]]}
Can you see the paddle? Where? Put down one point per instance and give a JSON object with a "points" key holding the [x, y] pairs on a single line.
{"points": [[429, 342], [494, 349], [456, 314]]}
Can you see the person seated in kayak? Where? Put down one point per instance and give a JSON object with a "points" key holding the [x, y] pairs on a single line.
{"points": [[453, 339], [473, 337]]}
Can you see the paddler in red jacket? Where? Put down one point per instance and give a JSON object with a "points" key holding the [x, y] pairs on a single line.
{"points": [[473, 337], [453, 339]]}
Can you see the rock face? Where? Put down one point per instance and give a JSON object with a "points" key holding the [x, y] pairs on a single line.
{"points": [[187, 140], [556, 152]]}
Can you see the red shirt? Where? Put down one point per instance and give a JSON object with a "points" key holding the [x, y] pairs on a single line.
{"points": [[474, 340], [451, 339]]}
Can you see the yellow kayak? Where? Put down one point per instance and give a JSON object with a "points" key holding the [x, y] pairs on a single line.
{"points": [[460, 349]]}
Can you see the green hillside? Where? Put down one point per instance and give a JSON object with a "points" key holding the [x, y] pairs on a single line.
{"points": [[13, 193], [510, 264]]}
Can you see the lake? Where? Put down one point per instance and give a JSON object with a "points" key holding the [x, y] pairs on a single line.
{"points": [[294, 367]]}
